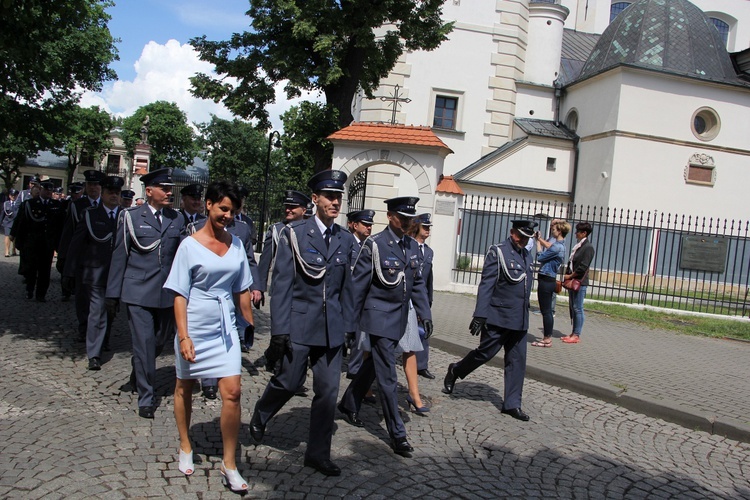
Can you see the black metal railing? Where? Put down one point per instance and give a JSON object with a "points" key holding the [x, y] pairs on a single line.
{"points": [[675, 261], [357, 191]]}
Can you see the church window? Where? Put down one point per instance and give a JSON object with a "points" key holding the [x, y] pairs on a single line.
{"points": [[700, 170], [723, 29], [616, 8], [551, 164], [445, 112], [87, 160], [113, 164], [571, 121], [705, 124]]}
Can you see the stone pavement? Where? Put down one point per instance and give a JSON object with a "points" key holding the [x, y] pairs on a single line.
{"points": [[70, 433], [698, 382]]}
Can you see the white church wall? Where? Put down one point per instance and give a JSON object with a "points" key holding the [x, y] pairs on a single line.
{"points": [[651, 176], [595, 173], [597, 102], [534, 101]]}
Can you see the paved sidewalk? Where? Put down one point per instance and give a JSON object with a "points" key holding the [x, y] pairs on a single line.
{"points": [[698, 382], [70, 433]]}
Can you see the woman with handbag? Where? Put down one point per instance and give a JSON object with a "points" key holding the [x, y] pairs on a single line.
{"points": [[576, 279], [550, 255]]}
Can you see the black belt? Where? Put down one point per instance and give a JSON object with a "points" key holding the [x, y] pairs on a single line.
{"points": [[544, 277]]}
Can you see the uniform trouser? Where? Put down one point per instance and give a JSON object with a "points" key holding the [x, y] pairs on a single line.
{"points": [[82, 301], [356, 356], [96, 329], [514, 369], [150, 329], [423, 356], [381, 364], [326, 367], [38, 269]]}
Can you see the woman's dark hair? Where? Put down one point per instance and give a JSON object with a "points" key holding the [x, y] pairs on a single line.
{"points": [[585, 227], [218, 190]]}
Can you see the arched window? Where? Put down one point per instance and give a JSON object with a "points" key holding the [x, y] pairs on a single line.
{"points": [[723, 29], [616, 8]]}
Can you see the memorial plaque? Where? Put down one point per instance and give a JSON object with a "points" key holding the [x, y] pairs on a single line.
{"points": [[704, 253], [445, 207]]}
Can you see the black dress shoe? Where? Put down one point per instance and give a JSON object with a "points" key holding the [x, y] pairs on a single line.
{"points": [[351, 416], [209, 392], [401, 447], [257, 429], [426, 374], [29, 295], [95, 364], [450, 379], [516, 413], [324, 467], [244, 347], [146, 411], [132, 382]]}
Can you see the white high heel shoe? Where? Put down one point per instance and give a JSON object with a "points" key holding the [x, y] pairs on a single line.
{"points": [[186, 463], [232, 479]]}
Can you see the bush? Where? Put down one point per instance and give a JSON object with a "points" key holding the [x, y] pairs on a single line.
{"points": [[463, 263]]}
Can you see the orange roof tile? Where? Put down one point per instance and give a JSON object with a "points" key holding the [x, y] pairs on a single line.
{"points": [[448, 185], [386, 133]]}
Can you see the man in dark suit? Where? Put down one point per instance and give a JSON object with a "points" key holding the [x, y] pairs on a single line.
{"points": [[501, 316], [145, 245], [192, 202], [36, 231], [241, 217], [385, 278], [91, 198], [310, 314], [424, 226], [89, 257]]}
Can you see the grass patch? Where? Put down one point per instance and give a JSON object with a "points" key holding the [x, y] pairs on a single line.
{"points": [[692, 325]]}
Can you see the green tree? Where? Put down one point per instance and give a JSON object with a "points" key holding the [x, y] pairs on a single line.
{"points": [[304, 143], [13, 153], [88, 130], [334, 47], [233, 150], [171, 138], [49, 52]]}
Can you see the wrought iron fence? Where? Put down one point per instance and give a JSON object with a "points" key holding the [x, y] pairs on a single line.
{"points": [[675, 261]]}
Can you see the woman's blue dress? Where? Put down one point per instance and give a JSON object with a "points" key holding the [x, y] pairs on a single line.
{"points": [[209, 282]]}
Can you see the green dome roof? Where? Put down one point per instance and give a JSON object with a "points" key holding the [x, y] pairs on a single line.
{"points": [[673, 36]]}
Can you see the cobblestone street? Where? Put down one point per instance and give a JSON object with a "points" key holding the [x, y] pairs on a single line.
{"points": [[71, 433]]}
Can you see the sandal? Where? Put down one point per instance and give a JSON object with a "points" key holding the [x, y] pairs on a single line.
{"points": [[186, 463], [542, 343], [232, 479], [573, 339]]}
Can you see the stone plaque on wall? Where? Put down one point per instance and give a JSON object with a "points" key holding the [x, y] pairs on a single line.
{"points": [[445, 207], [704, 253]]}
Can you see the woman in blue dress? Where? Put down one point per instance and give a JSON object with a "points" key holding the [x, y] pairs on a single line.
{"points": [[210, 276]]}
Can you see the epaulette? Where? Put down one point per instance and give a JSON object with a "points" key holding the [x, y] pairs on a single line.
{"points": [[377, 236], [296, 223]]}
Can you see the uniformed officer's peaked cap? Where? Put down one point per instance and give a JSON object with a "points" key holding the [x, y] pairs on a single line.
{"points": [[363, 216], [128, 194], [327, 180], [49, 185], [295, 199], [309, 212], [75, 188], [59, 190], [162, 176], [12, 192], [525, 227], [34, 180], [425, 219], [404, 205], [113, 182], [194, 190], [94, 176]]}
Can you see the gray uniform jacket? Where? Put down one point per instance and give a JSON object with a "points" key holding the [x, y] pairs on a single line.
{"points": [[504, 291], [426, 261], [90, 249], [8, 215], [384, 285], [136, 275], [312, 285], [75, 212]]}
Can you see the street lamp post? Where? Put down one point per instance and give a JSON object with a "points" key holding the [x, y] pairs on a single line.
{"points": [[267, 174]]}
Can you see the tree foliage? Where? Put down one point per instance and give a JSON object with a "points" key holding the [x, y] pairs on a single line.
{"points": [[234, 150], [304, 143], [333, 46], [171, 138], [88, 130], [50, 50]]}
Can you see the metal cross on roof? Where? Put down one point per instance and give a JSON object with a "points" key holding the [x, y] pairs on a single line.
{"points": [[395, 99]]}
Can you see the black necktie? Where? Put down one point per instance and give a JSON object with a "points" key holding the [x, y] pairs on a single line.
{"points": [[192, 219], [158, 216], [421, 250], [327, 236], [94, 204], [402, 246], [112, 215]]}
